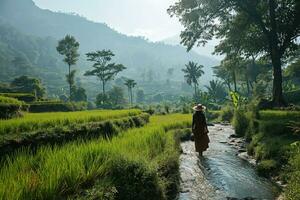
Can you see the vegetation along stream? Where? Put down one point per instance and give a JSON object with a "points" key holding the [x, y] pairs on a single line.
{"points": [[220, 174]]}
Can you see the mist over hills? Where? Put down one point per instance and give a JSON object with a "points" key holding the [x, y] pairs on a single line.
{"points": [[202, 50], [32, 33]]}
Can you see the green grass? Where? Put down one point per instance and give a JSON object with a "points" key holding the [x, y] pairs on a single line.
{"points": [[292, 191], [280, 115], [131, 163], [8, 100], [271, 144], [27, 97], [37, 121]]}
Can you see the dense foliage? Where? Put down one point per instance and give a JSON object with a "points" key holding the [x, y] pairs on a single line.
{"points": [[246, 28]]}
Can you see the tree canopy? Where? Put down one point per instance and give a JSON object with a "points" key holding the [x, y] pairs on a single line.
{"points": [[27, 84], [104, 69], [249, 27]]}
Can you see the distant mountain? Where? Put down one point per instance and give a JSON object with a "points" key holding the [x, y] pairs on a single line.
{"points": [[21, 54], [137, 54], [205, 51]]}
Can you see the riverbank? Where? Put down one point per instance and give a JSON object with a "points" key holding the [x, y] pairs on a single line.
{"points": [[272, 146]]}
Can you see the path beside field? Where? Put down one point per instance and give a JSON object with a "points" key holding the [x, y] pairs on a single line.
{"points": [[220, 174]]}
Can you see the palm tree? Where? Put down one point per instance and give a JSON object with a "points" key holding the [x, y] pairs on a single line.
{"points": [[216, 90], [193, 72], [130, 85]]}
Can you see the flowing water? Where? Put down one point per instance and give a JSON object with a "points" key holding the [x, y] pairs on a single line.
{"points": [[220, 173]]}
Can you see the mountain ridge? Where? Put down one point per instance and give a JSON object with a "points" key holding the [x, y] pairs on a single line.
{"points": [[136, 53]]}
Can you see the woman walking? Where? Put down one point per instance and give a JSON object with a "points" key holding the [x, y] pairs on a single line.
{"points": [[200, 130]]}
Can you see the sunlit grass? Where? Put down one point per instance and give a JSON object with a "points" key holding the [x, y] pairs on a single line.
{"points": [[36, 121], [56, 172]]}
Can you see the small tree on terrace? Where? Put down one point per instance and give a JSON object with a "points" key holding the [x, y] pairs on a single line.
{"points": [[68, 47], [28, 85], [130, 85], [193, 72], [103, 68]]}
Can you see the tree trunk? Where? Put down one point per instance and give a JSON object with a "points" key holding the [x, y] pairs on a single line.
{"points": [[103, 87], [228, 85], [195, 86], [234, 81], [278, 99], [131, 96], [248, 85], [70, 86]]}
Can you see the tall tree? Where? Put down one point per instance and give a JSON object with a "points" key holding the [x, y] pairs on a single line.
{"points": [[116, 97], [222, 73], [68, 47], [103, 68], [274, 23], [130, 85], [192, 73]]}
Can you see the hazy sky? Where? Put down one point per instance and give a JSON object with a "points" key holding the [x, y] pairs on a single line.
{"points": [[146, 18]]}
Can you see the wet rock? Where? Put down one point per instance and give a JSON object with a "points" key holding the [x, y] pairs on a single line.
{"points": [[248, 158]]}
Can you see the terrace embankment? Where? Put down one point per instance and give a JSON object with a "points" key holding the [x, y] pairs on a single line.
{"points": [[36, 130]]}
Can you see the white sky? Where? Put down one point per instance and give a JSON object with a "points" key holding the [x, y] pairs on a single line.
{"points": [[147, 18]]}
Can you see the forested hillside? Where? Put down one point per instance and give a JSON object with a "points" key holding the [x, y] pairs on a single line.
{"points": [[29, 36]]}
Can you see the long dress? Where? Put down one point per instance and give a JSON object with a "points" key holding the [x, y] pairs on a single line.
{"points": [[200, 131]]}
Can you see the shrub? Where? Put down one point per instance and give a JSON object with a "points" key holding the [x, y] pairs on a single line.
{"points": [[226, 114], [293, 96], [150, 111], [292, 190], [133, 180], [212, 115], [10, 107], [266, 167], [169, 174], [26, 97], [182, 135], [240, 122], [53, 106]]}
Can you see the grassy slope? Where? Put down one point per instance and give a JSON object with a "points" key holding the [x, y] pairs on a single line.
{"points": [[134, 165]]}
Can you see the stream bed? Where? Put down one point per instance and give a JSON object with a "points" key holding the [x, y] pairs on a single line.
{"points": [[220, 173]]}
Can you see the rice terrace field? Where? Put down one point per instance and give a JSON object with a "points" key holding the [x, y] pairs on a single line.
{"points": [[134, 163]]}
